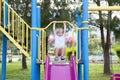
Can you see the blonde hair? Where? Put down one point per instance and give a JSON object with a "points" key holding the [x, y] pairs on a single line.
{"points": [[59, 30]]}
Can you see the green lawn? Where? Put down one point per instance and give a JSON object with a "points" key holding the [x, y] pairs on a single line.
{"points": [[14, 72]]}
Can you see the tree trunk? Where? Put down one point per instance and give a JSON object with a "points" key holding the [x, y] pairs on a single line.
{"points": [[107, 47], [105, 43], [106, 62], [24, 64]]}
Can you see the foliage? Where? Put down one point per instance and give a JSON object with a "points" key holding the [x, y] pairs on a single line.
{"points": [[105, 21], [117, 49], [58, 12], [69, 52], [112, 52], [45, 13], [23, 8], [116, 26], [94, 47]]}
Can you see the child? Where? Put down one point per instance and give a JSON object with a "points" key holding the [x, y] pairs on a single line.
{"points": [[59, 41]]}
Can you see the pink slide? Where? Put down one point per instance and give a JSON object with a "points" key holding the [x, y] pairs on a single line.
{"points": [[60, 71]]}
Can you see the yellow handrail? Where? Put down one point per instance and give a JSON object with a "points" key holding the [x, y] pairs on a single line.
{"points": [[15, 28], [5, 3]]}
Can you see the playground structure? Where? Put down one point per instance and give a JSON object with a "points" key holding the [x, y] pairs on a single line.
{"points": [[15, 29], [20, 37]]}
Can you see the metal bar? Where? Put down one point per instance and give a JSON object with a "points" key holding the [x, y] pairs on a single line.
{"points": [[35, 68], [4, 43], [27, 39], [84, 40], [16, 44], [8, 20], [13, 20], [23, 34], [82, 28], [44, 45], [104, 8], [4, 15], [39, 44], [5, 3], [79, 20], [73, 49], [38, 32], [18, 29]]}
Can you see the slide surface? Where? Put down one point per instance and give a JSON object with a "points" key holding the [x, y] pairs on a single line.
{"points": [[61, 71]]}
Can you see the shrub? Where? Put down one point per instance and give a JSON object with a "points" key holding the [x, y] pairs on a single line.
{"points": [[117, 49], [69, 52]]}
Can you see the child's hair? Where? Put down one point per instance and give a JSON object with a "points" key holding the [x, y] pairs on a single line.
{"points": [[59, 29]]}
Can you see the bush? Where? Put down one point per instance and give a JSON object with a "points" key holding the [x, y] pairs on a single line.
{"points": [[69, 52], [117, 49]]}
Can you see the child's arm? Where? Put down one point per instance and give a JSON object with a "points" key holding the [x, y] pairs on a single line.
{"points": [[54, 28], [64, 27]]}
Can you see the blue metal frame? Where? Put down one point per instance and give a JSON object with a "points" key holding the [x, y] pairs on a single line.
{"points": [[4, 44], [35, 68], [84, 40], [79, 21]]}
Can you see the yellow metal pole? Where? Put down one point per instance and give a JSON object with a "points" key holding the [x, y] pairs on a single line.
{"points": [[42, 45], [45, 45], [77, 45], [73, 50], [13, 23], [26, 38], [22, 34], [82, 28], [19, 29], [39, 44], [104, 8], [8, 20]]}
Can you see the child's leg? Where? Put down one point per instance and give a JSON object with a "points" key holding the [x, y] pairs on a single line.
{"points": [[63, 51], [63, 54], [56, 54], [56, 51]]}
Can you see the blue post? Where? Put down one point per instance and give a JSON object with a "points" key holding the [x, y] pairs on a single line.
{"points": [[35, 68], [38, 33], [79, 20], [4, 44], [85, 40]]}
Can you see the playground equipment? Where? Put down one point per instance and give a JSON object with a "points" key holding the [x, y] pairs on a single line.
{"points": [[61, 71], [104, 8], [15, 29], [115, 77]]}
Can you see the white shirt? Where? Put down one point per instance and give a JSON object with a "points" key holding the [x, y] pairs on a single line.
{"points": [[59, 41]]}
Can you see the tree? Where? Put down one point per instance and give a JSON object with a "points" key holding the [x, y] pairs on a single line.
{"points": [[106, 43], [56, 12], [116, 28], [22, 7], [45, 13]]}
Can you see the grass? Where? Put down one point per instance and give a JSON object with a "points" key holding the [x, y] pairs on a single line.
{"points": [[14, 71], [96, 71]]}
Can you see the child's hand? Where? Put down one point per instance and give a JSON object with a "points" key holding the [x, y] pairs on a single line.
{"points": [[64, 22], [54, 22]]}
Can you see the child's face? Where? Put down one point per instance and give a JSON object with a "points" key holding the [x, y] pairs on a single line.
{"points": [[60, 32]]}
